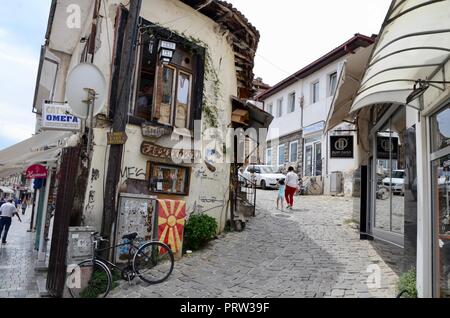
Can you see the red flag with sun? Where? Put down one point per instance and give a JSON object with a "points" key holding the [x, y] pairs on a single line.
{"points": [[171, 221]]}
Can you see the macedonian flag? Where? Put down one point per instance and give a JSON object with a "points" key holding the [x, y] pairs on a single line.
{"points": [[171, 221]]}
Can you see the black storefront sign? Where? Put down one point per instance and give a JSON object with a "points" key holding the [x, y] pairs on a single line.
{"points": [[342, 146], [387, 146]]}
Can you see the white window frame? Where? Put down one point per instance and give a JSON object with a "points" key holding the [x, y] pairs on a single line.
{"points": [[270, 108], [290, 151], [312, 144], [331, 90], [313, 84], [280, 102], [278, 155], [291, 108], [269, 157]]}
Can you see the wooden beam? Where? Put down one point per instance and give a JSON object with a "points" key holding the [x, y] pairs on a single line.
{"points": [[121, 117]]}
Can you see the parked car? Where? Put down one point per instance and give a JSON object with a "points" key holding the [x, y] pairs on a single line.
{"points": [[264, 176], [396, 183]]}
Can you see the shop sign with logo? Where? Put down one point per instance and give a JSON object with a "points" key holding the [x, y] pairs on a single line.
{"points": [[342, 146], [59, 117], [36, 172], [387, 148]]}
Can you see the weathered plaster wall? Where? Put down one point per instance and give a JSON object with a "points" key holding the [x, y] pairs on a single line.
{"points": [[208, 191]]}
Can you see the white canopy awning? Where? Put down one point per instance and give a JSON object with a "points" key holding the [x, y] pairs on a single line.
{"points": [[414, 44], [349, 82], [6, 190], [44, 147]]}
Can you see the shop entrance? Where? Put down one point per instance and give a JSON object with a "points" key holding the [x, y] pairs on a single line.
{"points": [[388, 170]]}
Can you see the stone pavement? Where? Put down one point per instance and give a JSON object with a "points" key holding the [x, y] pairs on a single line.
{"points": [[17, 261], [309, 252]]}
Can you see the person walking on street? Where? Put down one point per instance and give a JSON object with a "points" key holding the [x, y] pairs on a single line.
{"points": [[24, 207], [291, 187], [7, 212]]}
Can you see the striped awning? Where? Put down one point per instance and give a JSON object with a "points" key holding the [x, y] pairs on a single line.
{"points": [[413, 45]]}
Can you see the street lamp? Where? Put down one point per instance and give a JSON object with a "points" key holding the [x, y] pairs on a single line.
{"points": [[166, 50]]}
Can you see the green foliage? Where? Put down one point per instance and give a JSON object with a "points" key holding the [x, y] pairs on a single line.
{"points": [[199, 230], [98, 284], [407, 283]]}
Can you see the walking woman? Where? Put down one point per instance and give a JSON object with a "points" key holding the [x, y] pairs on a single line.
{"points": [[291, 187]]}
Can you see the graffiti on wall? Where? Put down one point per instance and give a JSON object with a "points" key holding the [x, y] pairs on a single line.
{"points": [[133, 173]]}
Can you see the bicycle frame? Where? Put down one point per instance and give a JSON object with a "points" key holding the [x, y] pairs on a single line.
{"points": [[96, 253]]}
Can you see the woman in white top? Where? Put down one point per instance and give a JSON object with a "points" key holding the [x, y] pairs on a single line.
{"points": [[291, 187]]}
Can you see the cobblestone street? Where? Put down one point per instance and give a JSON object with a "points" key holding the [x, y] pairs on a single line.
{"points": [[17, 262], [309, 252]]}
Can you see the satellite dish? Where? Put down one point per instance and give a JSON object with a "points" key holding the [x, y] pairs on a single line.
{"points": [[85, 76]]}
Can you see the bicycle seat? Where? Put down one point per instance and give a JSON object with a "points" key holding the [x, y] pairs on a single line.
{"points": [[130, 237]]}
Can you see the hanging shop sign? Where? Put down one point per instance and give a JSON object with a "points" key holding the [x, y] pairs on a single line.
{"points": [[151, 131], [59, 117], [117, 138], [36, 172], [342, 146], [151, 150], [387, 148]]}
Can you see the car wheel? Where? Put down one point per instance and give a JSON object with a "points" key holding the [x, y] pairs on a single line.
{"points": [[263, 185]]}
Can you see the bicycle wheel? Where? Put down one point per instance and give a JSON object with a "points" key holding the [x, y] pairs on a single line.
{"points": [[153, 262], [89, 280]]}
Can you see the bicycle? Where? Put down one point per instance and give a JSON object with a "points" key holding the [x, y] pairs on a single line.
{"points": [[153, 263]]}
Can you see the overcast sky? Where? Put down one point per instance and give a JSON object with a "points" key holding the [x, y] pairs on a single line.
{"points": [[294, 33]]}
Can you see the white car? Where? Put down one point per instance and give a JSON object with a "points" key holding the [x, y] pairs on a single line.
{"points": [[396, 183], [264, 176]]}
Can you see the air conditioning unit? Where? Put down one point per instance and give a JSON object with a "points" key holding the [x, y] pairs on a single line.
{"points": [[336, 183]]}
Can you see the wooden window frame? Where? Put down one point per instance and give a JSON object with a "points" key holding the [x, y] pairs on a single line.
{"points": [[151, 165], [197, 77]]}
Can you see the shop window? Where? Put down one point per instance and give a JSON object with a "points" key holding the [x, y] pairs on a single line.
{"points": [[313, 159], [441, 129], [165, 92], [168, 179], [391, 175]]}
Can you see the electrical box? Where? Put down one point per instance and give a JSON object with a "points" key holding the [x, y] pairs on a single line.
{"points": [[80, 244]]}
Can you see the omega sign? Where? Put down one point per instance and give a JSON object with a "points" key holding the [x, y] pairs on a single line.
{"points": [[59, 117], [341, 146]]}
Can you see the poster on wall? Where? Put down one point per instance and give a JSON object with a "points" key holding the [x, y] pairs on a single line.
{"points": [[342, 147], [386, 147], [136, 215]]}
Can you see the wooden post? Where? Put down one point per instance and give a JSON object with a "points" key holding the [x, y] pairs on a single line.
{"points": [[121, 117]]}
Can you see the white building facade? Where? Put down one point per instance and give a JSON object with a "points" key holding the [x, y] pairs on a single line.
{"points": [[300, 105]]}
